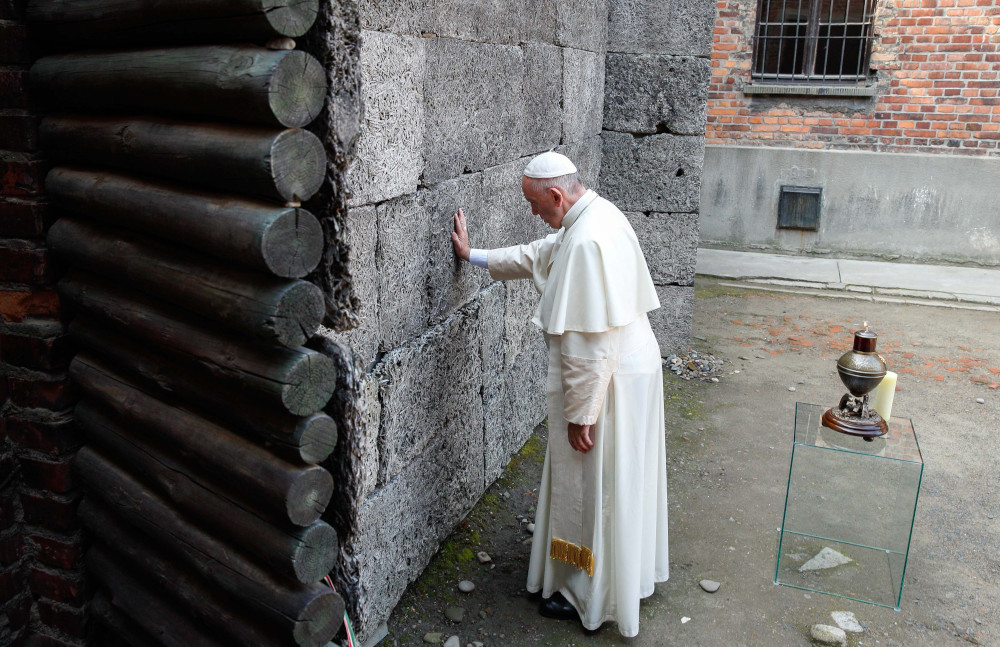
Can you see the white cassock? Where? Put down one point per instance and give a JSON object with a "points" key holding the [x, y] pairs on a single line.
{"points": [[601, 523]]}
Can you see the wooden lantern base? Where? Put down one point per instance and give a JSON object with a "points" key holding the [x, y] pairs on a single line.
{"points": [[869, 428]]}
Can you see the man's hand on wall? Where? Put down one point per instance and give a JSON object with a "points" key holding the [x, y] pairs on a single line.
{"points": [[579, 437], [460, 237]]}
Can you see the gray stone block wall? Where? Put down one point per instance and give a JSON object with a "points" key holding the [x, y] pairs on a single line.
{"points": [[655, 92], [458, 96]]}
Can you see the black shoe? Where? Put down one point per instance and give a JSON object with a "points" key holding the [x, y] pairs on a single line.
{"points": [[559, 608]]}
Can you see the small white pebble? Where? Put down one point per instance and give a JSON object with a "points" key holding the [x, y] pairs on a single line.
{"points": [[791, 388], [980, 400], [466, 586], [684, 619]]}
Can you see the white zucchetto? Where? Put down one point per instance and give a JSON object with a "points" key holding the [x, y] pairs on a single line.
{"points": [[549, 165]]}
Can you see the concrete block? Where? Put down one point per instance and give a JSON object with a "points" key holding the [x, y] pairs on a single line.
{"points": [[586, 154], [451, 282], [507, 218], [398, 16], [431, 388], [480, 21], [368, 469], [492, 304], [671, 322], [652, 173], [362, 240], [518, 332], [682, 27], [401, 259], [583, 99], [473, 107], [389, 157], [582, 24], [670, 243], [648, 93], [540, 20], [517, 408], [543, 96], [402, 524]]}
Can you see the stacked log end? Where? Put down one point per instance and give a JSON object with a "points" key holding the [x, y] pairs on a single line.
{"points": [[179, 165]]}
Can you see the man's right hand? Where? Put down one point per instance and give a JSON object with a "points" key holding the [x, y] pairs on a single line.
{"points": [[460, 237]]}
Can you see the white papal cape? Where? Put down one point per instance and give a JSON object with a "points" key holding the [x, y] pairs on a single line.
{"points": [[601, 522]]}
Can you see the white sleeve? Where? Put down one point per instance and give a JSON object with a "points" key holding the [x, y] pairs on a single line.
{"points": [[521, 261], [587, 366], [478, 257]]}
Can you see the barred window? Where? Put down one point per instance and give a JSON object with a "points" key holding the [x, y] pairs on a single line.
{"points": [[813, 40]]}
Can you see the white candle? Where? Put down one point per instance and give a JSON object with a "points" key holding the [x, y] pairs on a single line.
{"points": [[884, 394]]}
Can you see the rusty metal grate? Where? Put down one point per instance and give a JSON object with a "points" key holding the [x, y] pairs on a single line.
{"points": [[813, 40]]}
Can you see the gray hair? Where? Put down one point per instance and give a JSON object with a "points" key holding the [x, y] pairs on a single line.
{"points": [[570, 183]]}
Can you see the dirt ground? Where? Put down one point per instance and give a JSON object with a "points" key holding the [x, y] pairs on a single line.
{"points": [[729, 445]]}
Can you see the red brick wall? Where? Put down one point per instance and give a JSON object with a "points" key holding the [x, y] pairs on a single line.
{"points": [[42, 589], [937, 68]]}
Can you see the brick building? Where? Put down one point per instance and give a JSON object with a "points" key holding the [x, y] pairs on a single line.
{"points": [[890, 107]]}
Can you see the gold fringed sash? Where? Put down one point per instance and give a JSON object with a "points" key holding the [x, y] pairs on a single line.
{"points": [[567, 553]]}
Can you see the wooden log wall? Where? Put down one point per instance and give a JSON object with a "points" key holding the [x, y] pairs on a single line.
{"points": [[178, 174]]}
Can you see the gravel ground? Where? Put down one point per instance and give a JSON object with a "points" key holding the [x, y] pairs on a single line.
{"points": [[729, 444]]}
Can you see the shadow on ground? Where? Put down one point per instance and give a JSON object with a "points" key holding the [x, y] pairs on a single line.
{"points": [[729, 445]]}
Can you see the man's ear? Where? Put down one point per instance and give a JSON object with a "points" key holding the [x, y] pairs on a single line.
{"points": [[557, 196]]}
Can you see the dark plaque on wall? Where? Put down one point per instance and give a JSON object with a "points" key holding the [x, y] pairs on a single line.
{"points": [[798, 207]]}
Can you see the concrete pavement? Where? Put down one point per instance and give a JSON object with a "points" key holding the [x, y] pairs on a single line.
{"points": [[963, 287]]}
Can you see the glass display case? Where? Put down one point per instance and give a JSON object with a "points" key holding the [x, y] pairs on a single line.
{"points": [[849, 510]]}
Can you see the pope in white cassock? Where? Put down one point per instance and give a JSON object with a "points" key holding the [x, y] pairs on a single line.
{"points": [[600, 541]]}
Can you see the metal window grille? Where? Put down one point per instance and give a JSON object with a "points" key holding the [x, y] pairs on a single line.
{"points": [[813, 40]]}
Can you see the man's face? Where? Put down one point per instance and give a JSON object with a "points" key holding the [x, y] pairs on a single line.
{"points": [[547, 205]]}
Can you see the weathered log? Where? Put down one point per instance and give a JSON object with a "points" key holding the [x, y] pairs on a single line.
{"points": [[312, 612], [307, 439], [161, 620], [240, 82], [122, 631], [99, 22], [276, 310], [147, 558], [302, 554], [234, 466], [285, 241], [299, 380], [287, 165]]}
